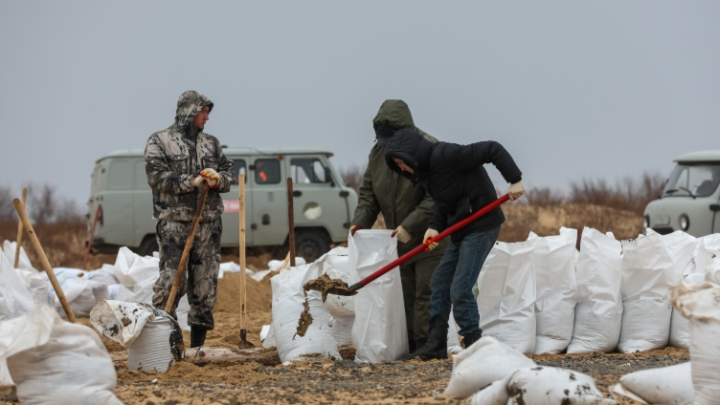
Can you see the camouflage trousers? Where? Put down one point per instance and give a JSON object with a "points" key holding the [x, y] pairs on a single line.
{"points": [[200, 278], [415, 278]]}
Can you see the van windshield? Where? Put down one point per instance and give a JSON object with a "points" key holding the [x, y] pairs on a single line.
{"points": [[693, 180]]}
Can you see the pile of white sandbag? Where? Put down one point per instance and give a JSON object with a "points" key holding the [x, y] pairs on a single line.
{"points": [[541, 296]]}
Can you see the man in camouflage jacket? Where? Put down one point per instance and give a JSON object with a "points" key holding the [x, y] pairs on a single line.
{"points": [[179, 161], [407, 210]]}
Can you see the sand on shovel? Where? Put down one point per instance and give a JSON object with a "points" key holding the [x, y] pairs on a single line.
{"points": [[325, 285]]}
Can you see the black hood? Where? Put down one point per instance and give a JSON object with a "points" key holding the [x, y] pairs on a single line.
{"points": [[413, 149]]}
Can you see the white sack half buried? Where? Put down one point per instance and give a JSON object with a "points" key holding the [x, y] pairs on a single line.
{"points": [[287, 305], [15, 299], [647, 275], [701, 304], [34, 280], [56, 362], [137, 274], [666, 385], [553, 261], [679, 325], [542, 386], [598, 314], [506, 295], [379, 332], [336, 264], [478, 366]]}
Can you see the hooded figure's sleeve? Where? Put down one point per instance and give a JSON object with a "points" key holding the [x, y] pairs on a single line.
{"points": [[225, 170], [438, 221], [415, 223], [160, 175], [368, 207], [477, 154]]}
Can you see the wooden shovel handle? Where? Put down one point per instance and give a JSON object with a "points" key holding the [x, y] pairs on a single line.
{"points": [[44, 260], [186, 251]]}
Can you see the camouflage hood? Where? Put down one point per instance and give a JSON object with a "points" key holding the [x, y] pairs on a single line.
{"points": [[188, 106], [394, 113]]}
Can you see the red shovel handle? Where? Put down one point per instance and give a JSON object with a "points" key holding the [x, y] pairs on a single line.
{"points": [[425, 246]]}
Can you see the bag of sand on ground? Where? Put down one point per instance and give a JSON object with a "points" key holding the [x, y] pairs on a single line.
{"points": [[598, 314], [553, 261], [506, 295], [379, 331], [56, 362]]}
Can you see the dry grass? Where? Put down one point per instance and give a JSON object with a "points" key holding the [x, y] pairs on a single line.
{"points": [[353, 176]]}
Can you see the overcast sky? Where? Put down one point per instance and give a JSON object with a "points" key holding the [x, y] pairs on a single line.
{"points": [[572, 89]]}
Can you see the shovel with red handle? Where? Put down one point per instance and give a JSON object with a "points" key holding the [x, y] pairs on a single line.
{"points": [[425, 246]]}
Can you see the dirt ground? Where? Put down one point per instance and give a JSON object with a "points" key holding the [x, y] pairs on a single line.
{"points": [[264, 380]]}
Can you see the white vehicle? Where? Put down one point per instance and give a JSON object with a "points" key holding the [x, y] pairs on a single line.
{"points": [[691, 198], [323, 205]]}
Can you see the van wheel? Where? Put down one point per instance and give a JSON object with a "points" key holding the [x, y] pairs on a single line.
{"points": [[148, 246], [311, 244]]}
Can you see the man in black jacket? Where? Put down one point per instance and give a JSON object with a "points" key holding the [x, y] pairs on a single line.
{"points": [[454, 177]]}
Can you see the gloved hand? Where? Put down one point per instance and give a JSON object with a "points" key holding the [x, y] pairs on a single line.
{"points": [[212, 177], [430, 233], [516, 190], [199, 181], [402, 235], [354, 229]]}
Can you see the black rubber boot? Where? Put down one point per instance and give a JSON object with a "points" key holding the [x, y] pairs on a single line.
{"points": [[197, 335], [412, 345], [435, 348], [470, 339], [419, 344]]}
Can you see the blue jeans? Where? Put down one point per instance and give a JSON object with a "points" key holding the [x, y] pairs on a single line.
{"points": [[454, 279]]}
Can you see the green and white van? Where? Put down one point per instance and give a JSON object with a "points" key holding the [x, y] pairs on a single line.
{"points": [[691, 199], [323, 205]]}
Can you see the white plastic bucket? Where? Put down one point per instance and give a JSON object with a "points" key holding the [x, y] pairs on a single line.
{"points": [[151, 350]]}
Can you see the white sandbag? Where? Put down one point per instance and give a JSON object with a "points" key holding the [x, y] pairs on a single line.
{"points": [[701, 304], [453, 338], [506, 295], [647, 275], [287, 305], [379, 332], [104, 275], [56, 362], [137, 274], [153, 347], [707, 259], [82, 294], [260, 275], [553, 386], [24, 263], [277, 265], [681, 248], [15, 299], [679, 325], [487, 360], [5, 379], [598, 314], [553, 261], [666, 385]]}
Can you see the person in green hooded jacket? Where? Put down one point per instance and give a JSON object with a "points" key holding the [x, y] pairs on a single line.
{"points": [[406, 209]]}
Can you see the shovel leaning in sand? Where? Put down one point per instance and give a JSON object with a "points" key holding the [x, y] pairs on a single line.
{"points": [[327, 285]]}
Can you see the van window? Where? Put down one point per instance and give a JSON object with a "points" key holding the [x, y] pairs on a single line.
{"points": [[238, 169], [119, 175], [267, 171], [693, 180], [307, 171]]}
